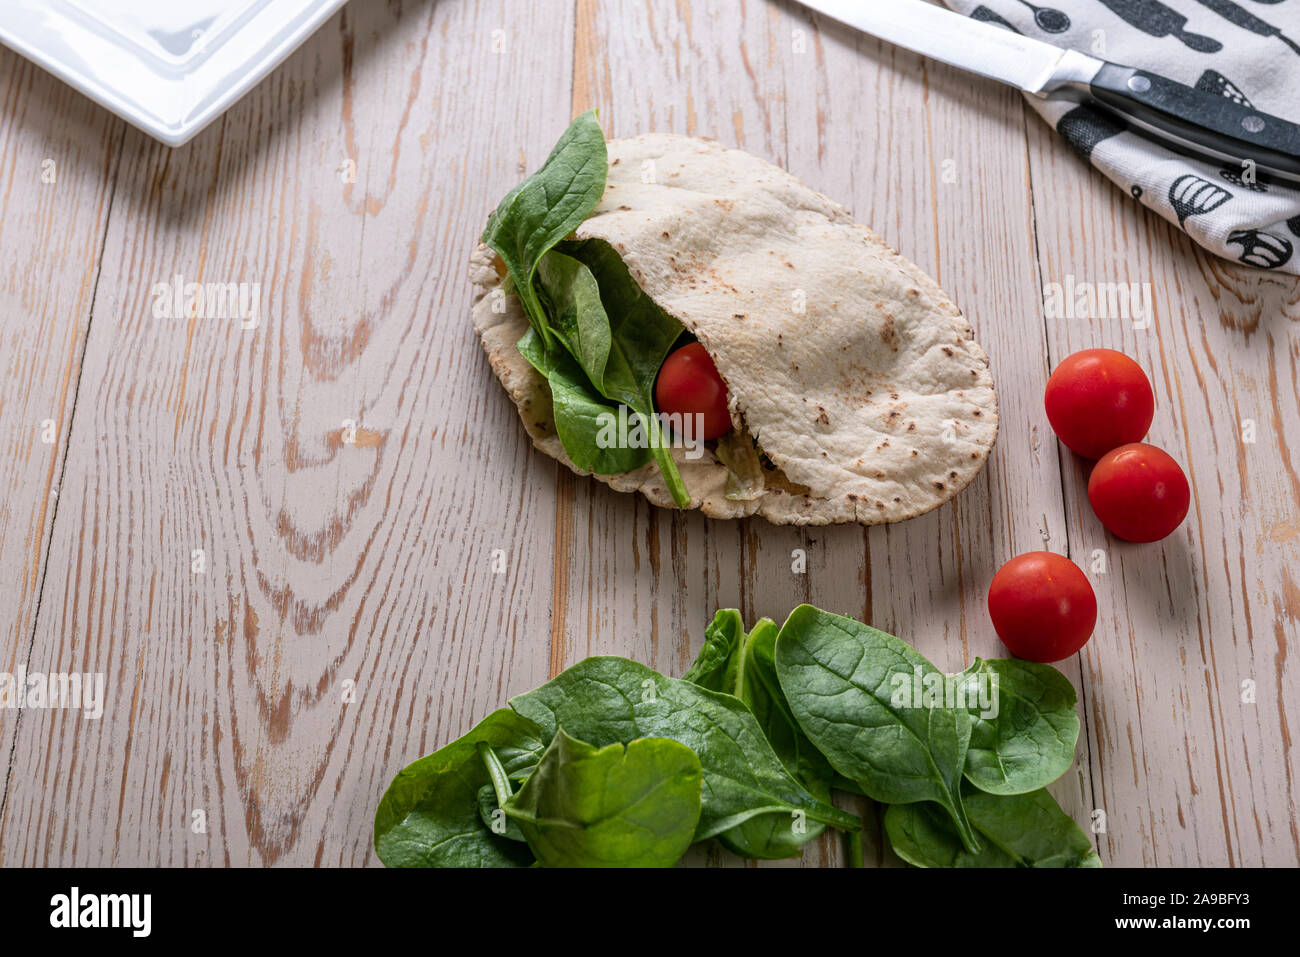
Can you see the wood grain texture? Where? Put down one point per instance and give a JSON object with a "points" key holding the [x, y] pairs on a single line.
{"points": [[327, 561], [58, 159], [1188, 771], [385, 559]]}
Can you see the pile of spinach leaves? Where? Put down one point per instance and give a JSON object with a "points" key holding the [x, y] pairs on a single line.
{"points": [[594, 334], [964, 788], [613, 764]]}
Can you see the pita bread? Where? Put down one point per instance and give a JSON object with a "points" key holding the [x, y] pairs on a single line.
{"points": [[855, 374]]}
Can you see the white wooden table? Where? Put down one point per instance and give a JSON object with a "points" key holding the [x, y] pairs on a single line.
{"points": [[349, 467]]}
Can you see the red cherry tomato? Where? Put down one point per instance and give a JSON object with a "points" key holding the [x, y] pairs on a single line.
{"points": [[1042, 606], [689, 384], [1139, 492], [1097, 400]]}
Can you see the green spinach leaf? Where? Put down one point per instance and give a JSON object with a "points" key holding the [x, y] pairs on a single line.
{"points": [[596, 332], [494, 818], [761, 690], [580, 412], [547, 207], [608, 700], [723, 638], [753, 680], [617, 334], [1022, 830], [640, 333], [429, 816], [576, 314], [845, 683], [1030, 741], [634, 805], [742, 665]]}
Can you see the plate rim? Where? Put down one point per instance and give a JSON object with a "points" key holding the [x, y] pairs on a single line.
{"points": [[173, 131]]}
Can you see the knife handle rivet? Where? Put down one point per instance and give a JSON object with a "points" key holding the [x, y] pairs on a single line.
{"points": [[1138, 83], [1253, 124]]}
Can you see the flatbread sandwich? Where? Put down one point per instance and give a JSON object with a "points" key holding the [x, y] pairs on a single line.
{"points": [[693, 323]]}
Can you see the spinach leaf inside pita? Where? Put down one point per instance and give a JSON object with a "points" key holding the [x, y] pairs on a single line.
{"points": [[595, 336]]}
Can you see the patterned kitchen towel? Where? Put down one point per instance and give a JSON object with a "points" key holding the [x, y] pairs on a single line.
{"points": [[1248, 50]]}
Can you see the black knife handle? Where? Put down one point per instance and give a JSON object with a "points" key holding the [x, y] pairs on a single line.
{"points": [[1206, 120]]}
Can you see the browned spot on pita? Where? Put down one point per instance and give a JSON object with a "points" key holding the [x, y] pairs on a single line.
{"points": [[888, 330]]}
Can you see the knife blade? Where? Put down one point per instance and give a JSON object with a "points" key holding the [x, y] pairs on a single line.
{"points": [[971, 45], [1185, 119]]}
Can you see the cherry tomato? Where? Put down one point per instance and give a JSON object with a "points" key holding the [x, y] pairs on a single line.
{"points": [[1097, 400], [1139, 492], [1042, 606], [689, 384]]}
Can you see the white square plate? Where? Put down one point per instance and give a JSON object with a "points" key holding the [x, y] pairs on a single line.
{"points": [[168, 66]]}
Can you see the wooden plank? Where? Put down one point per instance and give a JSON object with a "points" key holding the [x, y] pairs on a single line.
{"points": [[58, 164], [328, 561], [1190, 773]]}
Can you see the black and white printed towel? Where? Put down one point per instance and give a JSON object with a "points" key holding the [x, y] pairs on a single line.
{"points": [[1248, 50]]}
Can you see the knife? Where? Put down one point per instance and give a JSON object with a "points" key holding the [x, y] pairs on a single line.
{"points": [[1185, 119]]}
